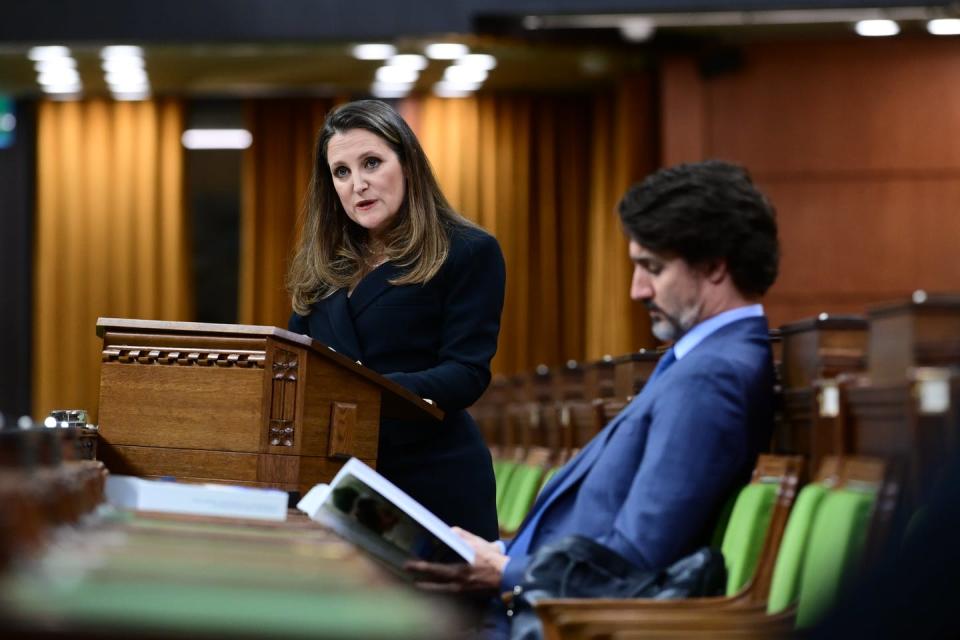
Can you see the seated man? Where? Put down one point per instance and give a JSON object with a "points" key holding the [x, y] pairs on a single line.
{"points": [[703, 241]]}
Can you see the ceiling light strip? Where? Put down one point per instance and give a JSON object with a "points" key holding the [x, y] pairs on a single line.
{"points": [[726, 18]]}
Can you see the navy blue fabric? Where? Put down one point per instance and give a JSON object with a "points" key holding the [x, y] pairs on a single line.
{"points": [[649, 485], [437, 340]]}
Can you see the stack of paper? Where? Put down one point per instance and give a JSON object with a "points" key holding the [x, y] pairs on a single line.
{"points": [[127, 492]]}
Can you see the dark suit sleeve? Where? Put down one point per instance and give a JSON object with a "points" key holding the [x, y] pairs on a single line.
{"points": [[473, 287], [697, 447]]}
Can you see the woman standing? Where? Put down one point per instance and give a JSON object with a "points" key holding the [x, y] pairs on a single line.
{"points": [[388, 273]]}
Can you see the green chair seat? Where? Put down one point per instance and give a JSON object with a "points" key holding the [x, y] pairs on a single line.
{"points": [[746, 531]]}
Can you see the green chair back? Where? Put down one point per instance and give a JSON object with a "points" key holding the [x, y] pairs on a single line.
{"points": [[836, 545], [506, 469], [520, 494], [785, 584], [746, 532], [548, 476]]}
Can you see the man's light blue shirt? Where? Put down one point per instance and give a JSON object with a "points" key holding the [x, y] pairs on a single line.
{"points": [[699, 333]]}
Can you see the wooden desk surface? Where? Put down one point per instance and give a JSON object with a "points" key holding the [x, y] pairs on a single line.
{"points": [[153, 575]]}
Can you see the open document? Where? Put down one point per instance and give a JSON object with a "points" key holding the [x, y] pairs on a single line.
{"points": [[370, 511]]}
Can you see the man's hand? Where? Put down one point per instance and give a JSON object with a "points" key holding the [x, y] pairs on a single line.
{"points": [[482, 576]]}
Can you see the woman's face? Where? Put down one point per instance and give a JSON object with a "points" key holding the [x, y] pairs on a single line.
{"points": [[368, 177]]}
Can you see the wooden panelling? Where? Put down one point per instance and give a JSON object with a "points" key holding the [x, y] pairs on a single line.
{"points": [[682, 113], [179, 463], [324, 386], [135, 406], [855, 143], [856, 106], [879, 235]]}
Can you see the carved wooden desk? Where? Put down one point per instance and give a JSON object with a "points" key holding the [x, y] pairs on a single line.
{"points": [[241, 404]]}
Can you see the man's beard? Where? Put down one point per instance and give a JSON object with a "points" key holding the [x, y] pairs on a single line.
{"points": [[670, 328]]}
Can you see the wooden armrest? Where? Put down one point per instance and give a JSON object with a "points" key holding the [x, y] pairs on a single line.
{"points": [[706, 623], [578, 619], [645, 604]]}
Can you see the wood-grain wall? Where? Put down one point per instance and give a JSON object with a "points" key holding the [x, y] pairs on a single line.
{"points": [[858, 146]]}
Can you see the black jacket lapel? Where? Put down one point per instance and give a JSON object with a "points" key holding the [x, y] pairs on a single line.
{"points": [[341, 325], [374, 285]]}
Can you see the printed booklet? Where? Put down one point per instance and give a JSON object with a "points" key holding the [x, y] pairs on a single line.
{"points": [[370, 511]]}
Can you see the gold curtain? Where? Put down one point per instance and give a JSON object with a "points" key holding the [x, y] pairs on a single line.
{"points": [[276, 174], [111, 235], [623, 151], [544, 174], [541, 172]]}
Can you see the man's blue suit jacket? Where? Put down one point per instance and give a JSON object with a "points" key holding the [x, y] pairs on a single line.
{"points": [[650, 484]]}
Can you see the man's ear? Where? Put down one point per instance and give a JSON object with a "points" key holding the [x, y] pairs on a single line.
{"points": [[715, 270]]}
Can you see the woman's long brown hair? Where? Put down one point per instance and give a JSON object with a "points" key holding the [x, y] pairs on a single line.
{"points": [[330, 252]]}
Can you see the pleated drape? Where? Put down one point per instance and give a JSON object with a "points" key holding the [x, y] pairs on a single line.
{"points": [[111, 235], [276, 175], [543, 173], [623, 150]]}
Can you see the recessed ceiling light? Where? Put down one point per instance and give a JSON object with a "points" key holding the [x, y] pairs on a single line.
{"points": [[61, 76], [127, 76], [457, 86], [131, 96], [51, 64], [460, 74], [944, 27], [408, 61], [67, 89], [483, 61], [446, 50], [877, 28], [396, 75], [122, 64], [389, 90], [637, 29], [445, 90], [45, 53], [121, 51], [374, 51], [216, 139]]}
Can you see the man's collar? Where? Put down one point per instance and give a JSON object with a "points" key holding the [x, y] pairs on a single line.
{"points": [[698, 333]]}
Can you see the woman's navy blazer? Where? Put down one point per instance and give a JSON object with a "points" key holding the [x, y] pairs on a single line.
{"points": [[436, 339]]}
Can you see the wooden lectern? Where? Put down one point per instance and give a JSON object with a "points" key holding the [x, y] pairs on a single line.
{"points": [[240, 404]]}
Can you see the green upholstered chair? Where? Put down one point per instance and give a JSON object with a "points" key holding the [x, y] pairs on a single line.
{"points": [[821, 549], [519, 495], [506, 469], [823, 542], [785, 586], [836, 544], [746, 532], [750, 538]]}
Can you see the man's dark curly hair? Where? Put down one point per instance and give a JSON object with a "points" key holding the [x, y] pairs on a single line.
{"points": [[703, 212]]}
